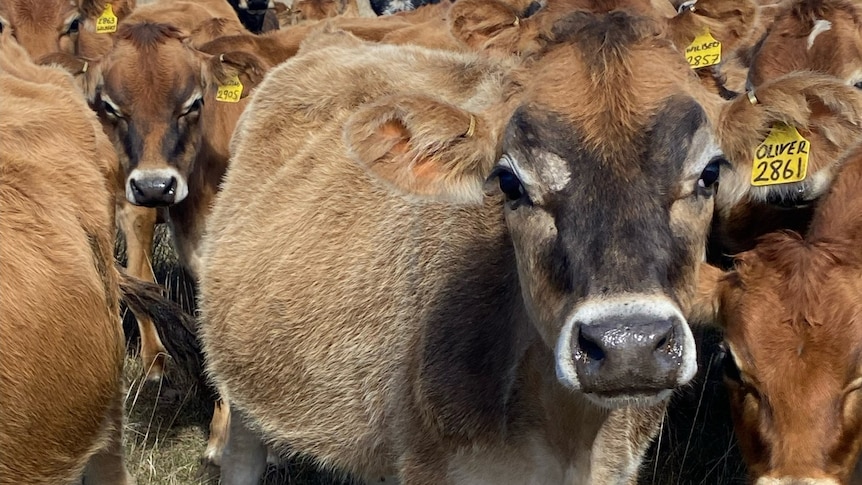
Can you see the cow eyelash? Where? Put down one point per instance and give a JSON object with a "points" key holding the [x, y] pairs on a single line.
{"points": [[74, 27], [112, 112], [193, 108], [728, 365]]}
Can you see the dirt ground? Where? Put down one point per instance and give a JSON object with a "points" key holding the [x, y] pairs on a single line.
{"points": [[167, 423]]}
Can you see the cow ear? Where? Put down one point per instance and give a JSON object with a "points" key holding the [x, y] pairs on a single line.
{"points": [[731, 22], [423, 147], [706, 304], [825, 111], [222, 68], [489, 25], [92, 9]]}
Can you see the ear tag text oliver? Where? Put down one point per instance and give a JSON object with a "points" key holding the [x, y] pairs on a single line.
{"points": [[231, 91], [782, 158], [107, 22], [704, 51]]}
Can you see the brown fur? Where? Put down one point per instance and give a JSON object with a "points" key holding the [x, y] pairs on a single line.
{"points": [[837, 51], [62, 354], [42, 28], [791, 313], [345, 295]]}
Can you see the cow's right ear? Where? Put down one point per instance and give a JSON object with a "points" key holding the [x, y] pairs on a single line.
{"points": [[706, 304], [423, 147], [222, 68]]}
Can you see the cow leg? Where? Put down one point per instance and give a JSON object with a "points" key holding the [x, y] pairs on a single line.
{"points": [[106, 466], [622, 442], [244, 457], [138, 225], [219, 426]]}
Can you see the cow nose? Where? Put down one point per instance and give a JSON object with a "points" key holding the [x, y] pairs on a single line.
{"points": [[153, 191], [630, 354]]}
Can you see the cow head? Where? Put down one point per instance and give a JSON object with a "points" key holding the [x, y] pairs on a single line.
{"points": [[156, 94], [793, 368], [604, 169], [59, 26], [252, 13]]}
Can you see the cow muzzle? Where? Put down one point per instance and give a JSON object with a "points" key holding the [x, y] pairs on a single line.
{"points": [[156, 188], [626, 350]]}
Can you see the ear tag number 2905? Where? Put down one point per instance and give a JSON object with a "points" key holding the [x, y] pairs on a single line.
{"points": [[782, 158], [231, 91], [704, 51], [107, 22]]}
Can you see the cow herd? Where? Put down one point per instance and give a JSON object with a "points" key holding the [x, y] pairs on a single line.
{"points": [[457, 243]]}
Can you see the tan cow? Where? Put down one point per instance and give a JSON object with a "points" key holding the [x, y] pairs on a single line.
{"points": [[368, 306], [61, 354], [790, 309]]}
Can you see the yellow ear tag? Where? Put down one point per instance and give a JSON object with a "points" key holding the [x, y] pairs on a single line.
{"points": [[782, 158], [231, 91], [107, 22], [704, 51]]}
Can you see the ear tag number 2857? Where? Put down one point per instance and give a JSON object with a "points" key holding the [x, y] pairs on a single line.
{"points": [[782, 158], [704, 51], [107, 22], [231, 91]]}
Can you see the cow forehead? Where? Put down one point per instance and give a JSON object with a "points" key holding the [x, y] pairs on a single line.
{"points": [[40, 15], [798, 329], [158, 78]]}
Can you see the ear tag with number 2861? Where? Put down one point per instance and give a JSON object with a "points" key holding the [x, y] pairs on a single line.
{"points": [[782, 158]]}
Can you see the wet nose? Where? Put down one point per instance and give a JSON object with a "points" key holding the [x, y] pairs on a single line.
{"points": [[631, 354], [153, 191]]}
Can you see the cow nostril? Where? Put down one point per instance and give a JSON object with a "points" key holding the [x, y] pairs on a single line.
{"points": [[592, 350], [171, 186], [135, 187]]}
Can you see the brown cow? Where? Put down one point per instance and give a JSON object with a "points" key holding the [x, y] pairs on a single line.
{"points": [[791, 311], [808, 35], [61, 356], [529, 336], [51, 26]]}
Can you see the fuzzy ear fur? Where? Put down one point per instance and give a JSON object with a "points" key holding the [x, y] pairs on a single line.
{"points": [[731, 22], [422, 147], [219, 69], [827, 112], [494, 26]]}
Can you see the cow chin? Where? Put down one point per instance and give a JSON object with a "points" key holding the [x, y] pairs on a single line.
{"points": [[796, 481], [629, 401]]}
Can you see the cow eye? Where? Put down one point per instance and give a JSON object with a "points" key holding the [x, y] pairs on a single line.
{"points": [[110, 110], [195, 107], [509, 183], [728, 365], [858, 85], [709, 176], [74, 27]]}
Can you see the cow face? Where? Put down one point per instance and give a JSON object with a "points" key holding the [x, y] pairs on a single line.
{"points": [[605, 169], [793, 331], [43, 27], [152, 93]]}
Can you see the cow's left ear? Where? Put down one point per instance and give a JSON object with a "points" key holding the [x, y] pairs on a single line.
{"points": [[221, 69], [731, 22], [423, 147]]}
